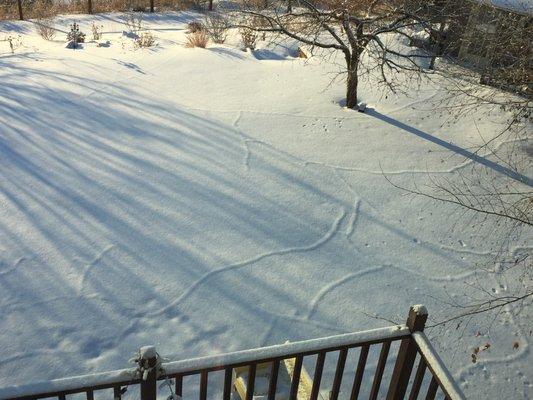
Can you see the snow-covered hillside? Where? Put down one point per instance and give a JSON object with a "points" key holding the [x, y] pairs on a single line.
{"points": [[208, 200]]}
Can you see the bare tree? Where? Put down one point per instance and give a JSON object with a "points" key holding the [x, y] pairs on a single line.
{"points": [[352, 27], [497, 191]]}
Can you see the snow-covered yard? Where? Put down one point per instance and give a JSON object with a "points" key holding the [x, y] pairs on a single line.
{"points": [[208, 200]]}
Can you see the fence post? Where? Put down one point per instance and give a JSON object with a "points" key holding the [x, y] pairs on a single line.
{"points": [[21, 15], [406, 354], [89, 6], [151, 6], [148, 368]]}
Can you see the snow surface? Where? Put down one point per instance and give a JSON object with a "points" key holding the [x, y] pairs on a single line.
{"points": [[212, 200], [522, 6]]}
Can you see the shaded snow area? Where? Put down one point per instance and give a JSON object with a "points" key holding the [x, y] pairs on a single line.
{"points": [[210, 200]]}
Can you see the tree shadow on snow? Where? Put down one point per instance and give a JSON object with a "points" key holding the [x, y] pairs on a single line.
{"points": [[130, 219]]}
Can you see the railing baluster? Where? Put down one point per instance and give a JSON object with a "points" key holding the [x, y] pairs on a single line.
{"points": [[432, 389], [90, 395], [228, 377], [250, 384], [379, 370], [358, 379], [178, 385], [296, 378], [419, 377], [203, 385], [273, 384], [317, 377], [338, 374]]}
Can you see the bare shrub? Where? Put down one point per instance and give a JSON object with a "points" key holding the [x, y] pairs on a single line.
{"points": [[216, 26], [145, 39], [134, 22], [14, 42], [248, 37], [197, 39], [195, 26], [45, 28], [97, 31]]}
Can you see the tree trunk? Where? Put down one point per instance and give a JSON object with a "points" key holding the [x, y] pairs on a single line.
{"points": [[210, 5], [351, 90], [89, 6], [437, 48], [352, 82], [21, 15], [289, 7], [151, 6]]}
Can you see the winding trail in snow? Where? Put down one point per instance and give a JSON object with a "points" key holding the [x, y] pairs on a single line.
{"points": [[14, 267], [320, 242]]}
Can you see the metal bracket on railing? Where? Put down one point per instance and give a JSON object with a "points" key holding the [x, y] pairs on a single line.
{"points": [[147, 361], [149, 370]]}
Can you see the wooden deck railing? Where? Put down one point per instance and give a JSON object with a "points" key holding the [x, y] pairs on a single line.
{"points": [[431, 378]]}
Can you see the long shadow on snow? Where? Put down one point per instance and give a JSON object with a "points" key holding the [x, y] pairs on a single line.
{"points": [[452, 147]]}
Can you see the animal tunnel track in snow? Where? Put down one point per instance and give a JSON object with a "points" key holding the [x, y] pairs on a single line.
{"points": [[314, 246]]}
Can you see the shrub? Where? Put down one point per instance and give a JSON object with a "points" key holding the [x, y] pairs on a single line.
{"points": [[195, 26], [14, 42], [97, 31], [146, 39], [217, 27], [75, 36], [134, 22], [197, 39], [45, 28], [248, 37]]}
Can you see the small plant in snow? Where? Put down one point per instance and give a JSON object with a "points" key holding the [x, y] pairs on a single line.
{"points": [[217, 27], [45, 28], [134, 22], [248, 37], [197, 39], [97, 31], [14, 42], [195, 26], [75, 36], [146, 39]]}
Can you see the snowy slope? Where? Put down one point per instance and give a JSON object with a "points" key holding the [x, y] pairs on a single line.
{"points": [[205, 200]]}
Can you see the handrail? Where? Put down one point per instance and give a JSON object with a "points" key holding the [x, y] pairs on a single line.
{"points": [[74, 384], [286, 350], [82, 383], [150, 368], [437, 367]]}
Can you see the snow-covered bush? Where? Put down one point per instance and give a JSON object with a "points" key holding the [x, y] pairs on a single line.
{"points": [[217, 27], [45, 28], [75, 36], [197, 39]]}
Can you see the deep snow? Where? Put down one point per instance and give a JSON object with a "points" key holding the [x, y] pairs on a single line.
{"points": [[209, 200]]}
